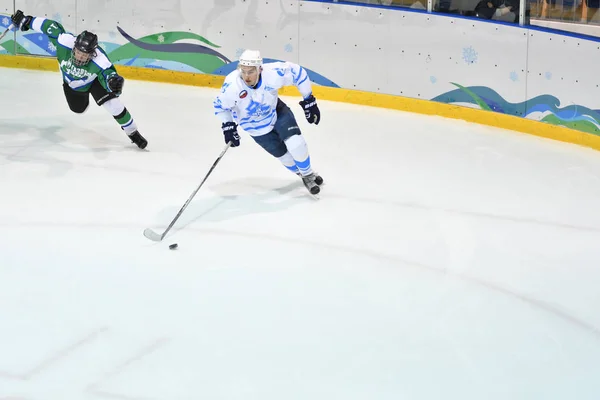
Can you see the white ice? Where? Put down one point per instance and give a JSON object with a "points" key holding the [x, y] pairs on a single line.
{"points": [[444, 260]]}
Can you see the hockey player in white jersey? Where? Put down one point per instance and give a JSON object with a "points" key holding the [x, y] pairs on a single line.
{"points": [[249, 99]]}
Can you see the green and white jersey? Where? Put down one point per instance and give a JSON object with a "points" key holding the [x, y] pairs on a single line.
{"points": [[78, 78]]}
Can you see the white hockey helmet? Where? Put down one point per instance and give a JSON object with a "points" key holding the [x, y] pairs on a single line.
{"points": [[251, 58]]}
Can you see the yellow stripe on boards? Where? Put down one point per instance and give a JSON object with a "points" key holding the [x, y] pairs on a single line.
{"points": [[358, 97], [29, 62]]}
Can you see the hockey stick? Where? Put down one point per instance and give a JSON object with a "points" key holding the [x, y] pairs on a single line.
{"points": [[150, 234], [6, 31]]}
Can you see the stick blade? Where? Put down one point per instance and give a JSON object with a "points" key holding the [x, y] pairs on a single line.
{"points": [[150, 234]]}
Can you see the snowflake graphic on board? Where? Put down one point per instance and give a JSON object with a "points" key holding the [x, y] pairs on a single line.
{"points": [[289, 48], [26, 45], [469, 55], [161, 38], [57, 17], [238, 52], [432, 79], [51, 47], [5, 21], [548, 75], [513, 76], [40, 38]]}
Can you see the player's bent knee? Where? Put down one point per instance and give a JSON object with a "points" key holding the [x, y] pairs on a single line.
{"points": [[271, 143], [276, 149], [286, 126], [294, 140], [108, 98], [291, 135], [78, 109], [278, 152]]}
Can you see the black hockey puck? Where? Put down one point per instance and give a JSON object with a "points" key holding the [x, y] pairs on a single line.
{"points": [[173, 246]]}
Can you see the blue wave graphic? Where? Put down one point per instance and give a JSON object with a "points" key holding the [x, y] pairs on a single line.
{"points": [[550, 105], [568, 113], [493, 100], [36, 44]]}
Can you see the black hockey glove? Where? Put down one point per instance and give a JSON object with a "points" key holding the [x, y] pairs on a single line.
{"points": [[115, 84], [231, 134], [311, 110], [21, 21]]}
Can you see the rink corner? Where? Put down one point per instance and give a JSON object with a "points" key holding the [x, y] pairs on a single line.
{"points": [[427, 107]]}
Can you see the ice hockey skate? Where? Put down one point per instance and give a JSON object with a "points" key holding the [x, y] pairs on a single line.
{"points": [[318, 178], [138, 139], [310, 182]]}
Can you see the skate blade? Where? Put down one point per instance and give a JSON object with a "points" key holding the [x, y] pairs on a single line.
{"points": [[315, 196]]}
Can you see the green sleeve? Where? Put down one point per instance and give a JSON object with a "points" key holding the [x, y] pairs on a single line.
{"points": [[48, 27]]}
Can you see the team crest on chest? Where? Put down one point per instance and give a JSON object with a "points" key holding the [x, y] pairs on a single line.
{"points": [[243, 94], [75, 72]]}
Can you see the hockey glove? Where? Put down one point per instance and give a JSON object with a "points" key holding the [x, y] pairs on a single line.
{"points": [[21, 21], [311, 110], [231, 134], [115, 84]]}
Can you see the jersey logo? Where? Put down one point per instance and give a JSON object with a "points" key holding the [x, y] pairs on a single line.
{"points": [[74, 72], [256, 109], [243, 94], [279, 71]]}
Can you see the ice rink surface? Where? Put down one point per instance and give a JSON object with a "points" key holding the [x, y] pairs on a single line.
{"points": [[444, 260]]}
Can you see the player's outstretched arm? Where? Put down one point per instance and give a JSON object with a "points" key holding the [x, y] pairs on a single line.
{"points": [[48, 27]]}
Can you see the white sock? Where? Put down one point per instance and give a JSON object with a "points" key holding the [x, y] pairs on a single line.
{"points": [[298, 149], [120, 113], [288, 161]]}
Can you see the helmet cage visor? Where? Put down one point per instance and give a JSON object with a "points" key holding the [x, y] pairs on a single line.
{"points": [[81, 58]]}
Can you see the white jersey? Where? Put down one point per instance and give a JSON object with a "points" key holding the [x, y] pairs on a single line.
{"points": [[253, 109]]}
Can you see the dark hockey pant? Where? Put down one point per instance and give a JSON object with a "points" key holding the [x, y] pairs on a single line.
{"points": [[285, 127], [79, 101]]}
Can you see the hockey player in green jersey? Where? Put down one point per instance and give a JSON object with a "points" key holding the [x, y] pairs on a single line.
{"points": [[85, 69]]}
